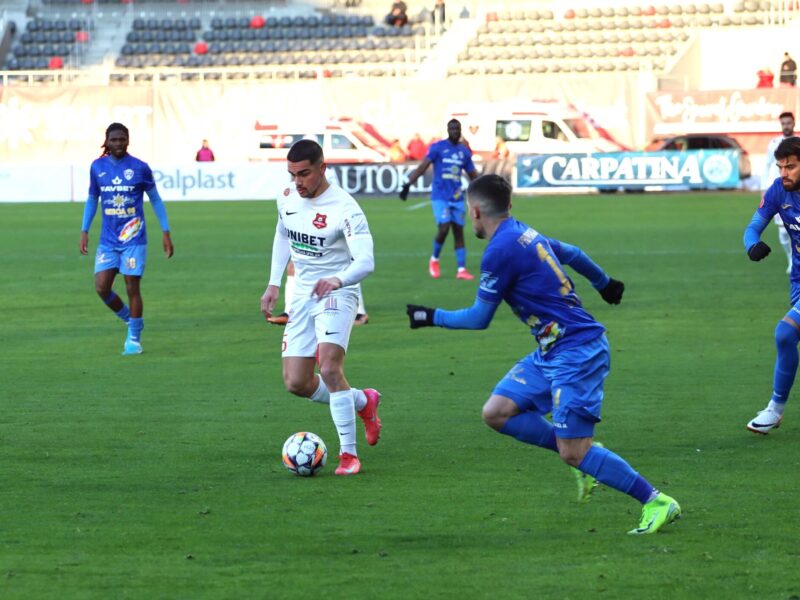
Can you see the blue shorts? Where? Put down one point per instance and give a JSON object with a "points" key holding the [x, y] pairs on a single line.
{"points": [[448, 211], [128, 260], [569, 384]]}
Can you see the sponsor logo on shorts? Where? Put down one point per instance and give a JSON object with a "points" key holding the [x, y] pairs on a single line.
{"points": [[131, 263], [130, 230], [320, 221]]}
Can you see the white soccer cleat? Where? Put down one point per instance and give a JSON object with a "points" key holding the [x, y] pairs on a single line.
{"points": [[765, 421]]}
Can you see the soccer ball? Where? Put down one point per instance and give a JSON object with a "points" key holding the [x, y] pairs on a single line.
{"points": [[304, 454]]}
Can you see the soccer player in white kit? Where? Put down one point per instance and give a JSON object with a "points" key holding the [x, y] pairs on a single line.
{"points": [[770, 174], [325, 233]]}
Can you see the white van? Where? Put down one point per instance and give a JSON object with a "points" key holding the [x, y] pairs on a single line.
{"points": [[528, 127], [340, 143]]}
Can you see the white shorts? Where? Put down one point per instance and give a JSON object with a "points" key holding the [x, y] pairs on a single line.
{"points": [[313, 322]]}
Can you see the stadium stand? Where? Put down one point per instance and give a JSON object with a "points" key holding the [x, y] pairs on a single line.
{"points": [[208, 39], [612, 38]]}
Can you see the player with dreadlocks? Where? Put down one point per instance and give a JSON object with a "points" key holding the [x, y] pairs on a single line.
{"points": [[119, 181]]}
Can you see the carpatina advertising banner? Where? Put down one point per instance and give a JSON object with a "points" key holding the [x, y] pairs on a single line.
{"points": [[693, 169], [721, 111]]}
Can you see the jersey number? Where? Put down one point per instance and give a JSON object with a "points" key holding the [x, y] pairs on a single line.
{"points": [[545, 256]]}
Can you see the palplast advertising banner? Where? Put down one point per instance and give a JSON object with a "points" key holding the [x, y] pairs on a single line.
{"points": [[693, 169]]}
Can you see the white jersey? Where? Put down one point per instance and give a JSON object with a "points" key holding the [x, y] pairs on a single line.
{"points": [[771, 172], [319, 232]]}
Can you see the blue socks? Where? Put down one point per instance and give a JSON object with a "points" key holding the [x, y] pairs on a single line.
{"points": [[461, 257], [786, 339], [437, 249], [135, 326], [123, 313], [613, 471], [531, 428]]}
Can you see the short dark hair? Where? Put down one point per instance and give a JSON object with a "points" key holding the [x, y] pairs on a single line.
{"points": [[454, 121], [305, 150], [788, 147], [492, 193], [786, 114]]}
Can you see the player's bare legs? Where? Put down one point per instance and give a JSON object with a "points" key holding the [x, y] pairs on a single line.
{"points": [[103, 282], [133, 285], [299, 377]]}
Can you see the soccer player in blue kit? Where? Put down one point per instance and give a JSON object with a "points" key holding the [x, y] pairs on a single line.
{"points": [[119, 180], [449, 157], [783, 199], [565, 374]]}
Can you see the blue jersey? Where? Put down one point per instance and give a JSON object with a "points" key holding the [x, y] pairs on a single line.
{"points": [[448, 161], [521, 266], [120, 185], [778, 201]]}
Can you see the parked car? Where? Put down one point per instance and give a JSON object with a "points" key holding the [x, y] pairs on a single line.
{"points": [[705, 141], [340, 143]]}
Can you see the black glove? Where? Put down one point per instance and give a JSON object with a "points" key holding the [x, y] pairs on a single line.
{"points": [[404, 191], [758, 251], [612, 293], [419, 316]]}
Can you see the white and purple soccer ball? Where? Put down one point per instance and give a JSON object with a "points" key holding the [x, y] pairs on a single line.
{"points": [[304, 454]]}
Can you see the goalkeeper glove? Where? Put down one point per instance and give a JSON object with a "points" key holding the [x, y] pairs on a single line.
{"points": [[612, 293], [419, 316], [404, 191], [758, 251]]}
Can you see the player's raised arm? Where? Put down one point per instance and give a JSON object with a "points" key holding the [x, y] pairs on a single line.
{"points": [[610, 289]]}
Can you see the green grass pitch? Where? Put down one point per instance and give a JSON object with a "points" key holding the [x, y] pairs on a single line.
{"points": [[159, 476]]}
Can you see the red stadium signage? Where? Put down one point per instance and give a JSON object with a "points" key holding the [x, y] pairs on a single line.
{"points": [[721, 111]]}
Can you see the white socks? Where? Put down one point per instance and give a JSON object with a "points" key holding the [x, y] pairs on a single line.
{"points": [[359, 399], [776, 407], [362, 310], [288, 294], [321, 395], [344, 417]]}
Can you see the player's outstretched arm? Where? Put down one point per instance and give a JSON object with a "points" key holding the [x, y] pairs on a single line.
{"points": [[412, 178], [610, 289], [756, 249], [477, 316]]}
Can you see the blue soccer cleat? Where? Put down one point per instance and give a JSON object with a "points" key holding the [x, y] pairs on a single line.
{"points": [[132, 347]]}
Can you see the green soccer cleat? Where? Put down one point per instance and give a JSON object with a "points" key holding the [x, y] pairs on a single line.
{"points": [[661, 510], [586, 483]]}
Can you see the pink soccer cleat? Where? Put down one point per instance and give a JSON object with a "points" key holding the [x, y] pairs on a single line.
{"points": [[348, 464], [369, 414], [464, 274], [433, 268]]}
